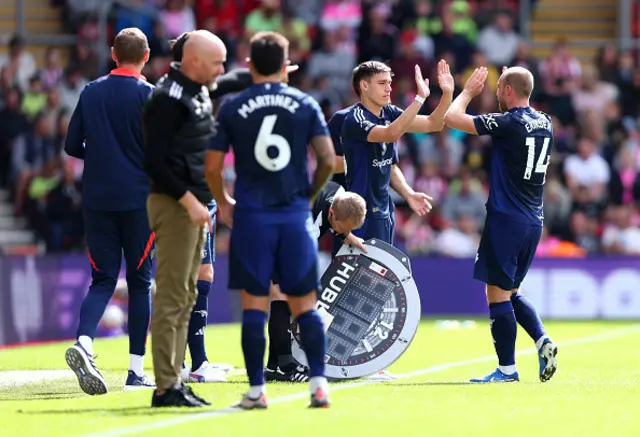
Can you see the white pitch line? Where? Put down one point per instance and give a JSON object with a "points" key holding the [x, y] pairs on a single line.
{"points": [[305, 394]]}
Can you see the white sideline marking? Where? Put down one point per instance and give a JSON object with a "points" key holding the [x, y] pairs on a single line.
{"points": [[305, 394], [17, 378]]}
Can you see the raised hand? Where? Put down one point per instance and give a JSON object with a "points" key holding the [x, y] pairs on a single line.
{"points": [[476, 81], [445, 79], [422, 84]]}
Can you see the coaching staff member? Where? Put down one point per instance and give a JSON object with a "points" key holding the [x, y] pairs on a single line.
{"points": [[178, 124]]}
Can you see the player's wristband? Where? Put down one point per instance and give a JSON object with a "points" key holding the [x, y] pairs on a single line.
{"points": [[419, 100]]}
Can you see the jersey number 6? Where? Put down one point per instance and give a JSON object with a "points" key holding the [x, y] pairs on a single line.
{"points": [[541, 165], [266, 139]]}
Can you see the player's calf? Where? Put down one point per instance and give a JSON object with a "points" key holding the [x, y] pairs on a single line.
{"points": [[254, 342], [504, 329], [314, 343]]}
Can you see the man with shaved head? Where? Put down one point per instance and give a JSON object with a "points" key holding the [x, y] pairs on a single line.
{"points": [[178, 125], [522, 139]]}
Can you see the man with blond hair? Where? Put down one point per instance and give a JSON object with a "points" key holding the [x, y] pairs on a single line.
{"points": [[336, 211]]}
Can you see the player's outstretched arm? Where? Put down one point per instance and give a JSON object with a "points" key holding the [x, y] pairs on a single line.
{"points": [[74, 143], [391, 133], [435, 121], [326, 159], [457, 117], [419, 202]]}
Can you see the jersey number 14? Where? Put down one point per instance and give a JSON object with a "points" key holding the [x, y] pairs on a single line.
{"points": [[541, 163], [266, 139]]}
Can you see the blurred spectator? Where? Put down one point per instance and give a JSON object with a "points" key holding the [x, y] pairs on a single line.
{"points": [[177, 18], [30, 153], [560, 74], [620, 235], [267, 17], [607, 63], [135, 13], [465, 198], [64, 212], [592, 94], [51, 74], [34, 99], [424, 19], [499, 41], [341, 13], [377, 37], [333, 63], [583, 232], [20, 64], [460, 241], [557, 202], [462, 21], [625, 178], [71, 88], [13, 123], [588, 169]]}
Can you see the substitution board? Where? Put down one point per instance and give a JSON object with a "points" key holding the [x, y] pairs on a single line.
{"points": [[371, 310]]}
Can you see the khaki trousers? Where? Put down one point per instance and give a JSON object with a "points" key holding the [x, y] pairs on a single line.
{"points": [[178, 253]]}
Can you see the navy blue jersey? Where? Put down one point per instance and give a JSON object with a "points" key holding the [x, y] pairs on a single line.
{"points": [[368, 165], [106, 131], [335, 129], [270, 126], [522, 140]]}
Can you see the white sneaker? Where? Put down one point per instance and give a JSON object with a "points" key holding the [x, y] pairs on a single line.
{"points": [[207, 373], [382, 375], [226, 368]]}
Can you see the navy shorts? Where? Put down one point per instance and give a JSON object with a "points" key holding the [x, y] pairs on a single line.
{"points": [[506, 252], [267, 245], [209, 248], [381, 228]]}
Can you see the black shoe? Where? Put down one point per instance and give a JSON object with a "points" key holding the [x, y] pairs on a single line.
{"points": [[294, 373], [175, 397], [189, 391]]}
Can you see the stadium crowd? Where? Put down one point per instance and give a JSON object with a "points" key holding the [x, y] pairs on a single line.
{"points": [[592, 189]]}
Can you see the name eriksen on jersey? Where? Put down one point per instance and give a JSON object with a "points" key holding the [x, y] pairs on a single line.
{"points": [[538, 124], [258, 102]]}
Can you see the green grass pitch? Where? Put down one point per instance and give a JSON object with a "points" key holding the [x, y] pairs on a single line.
{"points": [[596, 392]]}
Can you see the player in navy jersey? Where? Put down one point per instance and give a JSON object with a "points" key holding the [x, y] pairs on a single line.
{"points": [[521, 148], [270, 126], [201, 370], [335, 129], [369, 135]]}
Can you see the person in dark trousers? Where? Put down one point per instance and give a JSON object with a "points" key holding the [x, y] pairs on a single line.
{"points": [[105, 131], [178, 125]]}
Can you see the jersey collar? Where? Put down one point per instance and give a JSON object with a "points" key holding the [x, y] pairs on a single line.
{"points": [[378, 116], [192, 87], [127, 72]]}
